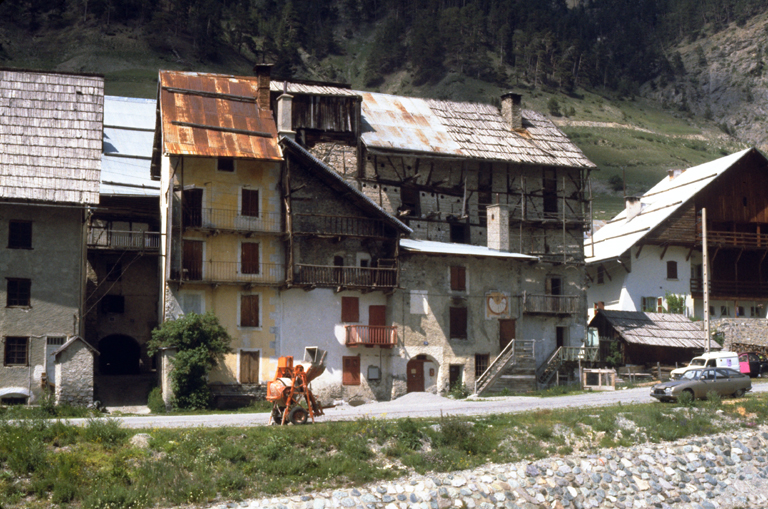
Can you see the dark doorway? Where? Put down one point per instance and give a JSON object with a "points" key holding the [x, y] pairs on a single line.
{"points": [[415, 369], [562, 335], [506, 333], [119, 355], [192, 211]]}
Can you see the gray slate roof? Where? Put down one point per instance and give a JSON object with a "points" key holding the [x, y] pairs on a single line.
{"points": [[50, 136], [656, 329]]}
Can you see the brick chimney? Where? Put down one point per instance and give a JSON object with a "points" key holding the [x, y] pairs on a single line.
{"points": [[498, 227], [262, 72], [634, 207], [512, 110]]}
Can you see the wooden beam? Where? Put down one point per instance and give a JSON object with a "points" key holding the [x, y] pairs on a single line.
{"points": [[688, 256], [639, 250], [606, 272], [663, 252], [213, 95], [623, 265]]}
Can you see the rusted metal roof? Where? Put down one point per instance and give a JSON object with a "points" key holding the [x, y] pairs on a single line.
{"points": [[50, 136], [470, 130], [214, 115], [312, 89], [656, 329]]}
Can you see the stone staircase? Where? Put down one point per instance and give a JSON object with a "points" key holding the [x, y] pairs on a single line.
{"points": [[513, 370], [566, 358]]}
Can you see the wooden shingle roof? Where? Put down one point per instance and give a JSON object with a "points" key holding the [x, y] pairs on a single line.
{"points": [[656, 329], [50, 136]]}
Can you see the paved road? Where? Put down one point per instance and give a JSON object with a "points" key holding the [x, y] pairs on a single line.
{"points": [[410, 405]]}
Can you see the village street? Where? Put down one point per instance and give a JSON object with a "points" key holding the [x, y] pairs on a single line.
{"points": [[415, 404]]}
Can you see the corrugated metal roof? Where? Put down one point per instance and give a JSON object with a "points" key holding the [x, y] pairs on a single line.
{"points": [[656, 329], [471, 130], [50, 136], [446, 248], [129, 125], [663, 200], [313, 89], [223, 121]]}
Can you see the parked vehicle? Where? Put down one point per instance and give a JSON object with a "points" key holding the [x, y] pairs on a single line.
{"points": [[709, 360], [699, 382], [753, 364]]}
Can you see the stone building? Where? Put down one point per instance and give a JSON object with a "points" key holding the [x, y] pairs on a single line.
{"points": [[50, 148]]}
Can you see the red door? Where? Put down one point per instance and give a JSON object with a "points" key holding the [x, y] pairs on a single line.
{"points": [[415, 369], [377, 320], [506, 333]]}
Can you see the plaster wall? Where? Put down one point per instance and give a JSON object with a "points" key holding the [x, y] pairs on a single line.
{"points": [[20, 381], [314, 319]]}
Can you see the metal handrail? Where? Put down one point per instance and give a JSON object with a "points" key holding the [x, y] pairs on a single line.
{"points": [[234, 220], [234, 272], [510, 348], [121, 239], [332, 275]]}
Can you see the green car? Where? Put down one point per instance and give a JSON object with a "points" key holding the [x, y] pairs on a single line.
{"points": [[699, 382]]}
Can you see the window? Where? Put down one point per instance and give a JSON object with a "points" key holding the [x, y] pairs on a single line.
{"points": [[724, 311], [16, 351], [192, 208], [250, 203], [192, 302], [350, 309], [483, 200], [56, 340], [458, 278], [249, 258], [671, 270], [711, 310], [549, 191], [600, 274], [113, 304], [649, 304], [226, 164], [19, 235], [410, 201], [249, 366], [114, 271], [554, 286], [18, 292], [351, 370], [459, 233], [249, 311], [458, 323], [740, 311], [481, 364]]}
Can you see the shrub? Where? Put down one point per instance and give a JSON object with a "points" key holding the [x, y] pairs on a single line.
{"points": [[200, 340], [554, 107], [458, 391], [106, 432], [685, 399], [155, 401]]}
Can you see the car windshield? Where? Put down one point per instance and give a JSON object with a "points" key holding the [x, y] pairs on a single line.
{"points": [[692, 374], [697, 362]]}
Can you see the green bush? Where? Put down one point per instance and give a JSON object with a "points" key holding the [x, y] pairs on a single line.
{"points": [[685, 399], [155, 401], [106, 432]]}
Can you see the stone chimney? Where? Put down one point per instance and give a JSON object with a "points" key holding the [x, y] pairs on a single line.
{"points": [[634, 207], [673, 174], [285, 115], [262, 72], [512, 110], [498, 227]]}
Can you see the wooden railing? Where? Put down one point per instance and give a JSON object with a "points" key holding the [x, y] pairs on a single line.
{"points": [[721, 287], [371, 335], [338, 226], [232, 272], [104, 238], [330, 275], [736, 239], [232, 220], [551, 304]]}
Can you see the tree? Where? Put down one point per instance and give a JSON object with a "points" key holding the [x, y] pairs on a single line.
{"points": [[675, 303], [200, 341]]}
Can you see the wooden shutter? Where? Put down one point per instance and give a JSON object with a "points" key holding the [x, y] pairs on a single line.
{"points": [[671, 270], [249, 257], [249, 367], [350, 309], [459, 323], [351, 371], [249, 311], [250, 203], [659, 305], [193, 260], [458, 278]]}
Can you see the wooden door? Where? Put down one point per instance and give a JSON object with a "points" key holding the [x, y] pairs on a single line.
{"points": [[506, 333], [249, 367], [192, 215], [415, 369], [193, 260], [377, 320]]}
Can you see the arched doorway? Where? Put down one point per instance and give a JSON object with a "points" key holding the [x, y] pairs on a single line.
{"points": [[119, 355], [421, 374]]}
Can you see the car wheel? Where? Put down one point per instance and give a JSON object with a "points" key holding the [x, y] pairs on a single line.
{"points": [[738, 393], [298, 415], [693, 396]]}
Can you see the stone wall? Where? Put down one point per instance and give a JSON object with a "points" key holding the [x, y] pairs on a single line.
{"points": [[743, 334], [74, 375]]}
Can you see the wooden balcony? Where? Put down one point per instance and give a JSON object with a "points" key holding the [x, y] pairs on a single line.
{"points": [[104, 238], [212, 272], [339, 226], [232, 221], [734, 239], [384, 336], [730, 289], [345, 277], [551, 304]]}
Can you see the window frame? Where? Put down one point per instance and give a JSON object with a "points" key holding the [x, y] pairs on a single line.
{"points": [[242, 266], [644, 304], [479, 358], [350, 313], [457, 276], [672, 272], [26, 237], [259, 314], [16, 293], [25, 349], [349, 377], [241, 202], [455, 316], [220, 160]]}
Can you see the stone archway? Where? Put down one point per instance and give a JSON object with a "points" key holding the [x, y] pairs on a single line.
{"points": [[119, 355], [422, 374]]}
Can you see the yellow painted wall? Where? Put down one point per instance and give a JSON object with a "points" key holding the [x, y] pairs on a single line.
{"points": [[222, 191]]}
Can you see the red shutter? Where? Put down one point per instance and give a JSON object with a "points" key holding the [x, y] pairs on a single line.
{"points": [[458, 278], [250, 258], [350, 309], [659, 305], [351, 371], [250, 203]]}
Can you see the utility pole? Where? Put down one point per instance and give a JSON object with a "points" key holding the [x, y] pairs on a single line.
{"points": [[705, 261]]}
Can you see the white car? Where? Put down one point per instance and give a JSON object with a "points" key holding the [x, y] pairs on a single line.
{"points": [[709, 360]]}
